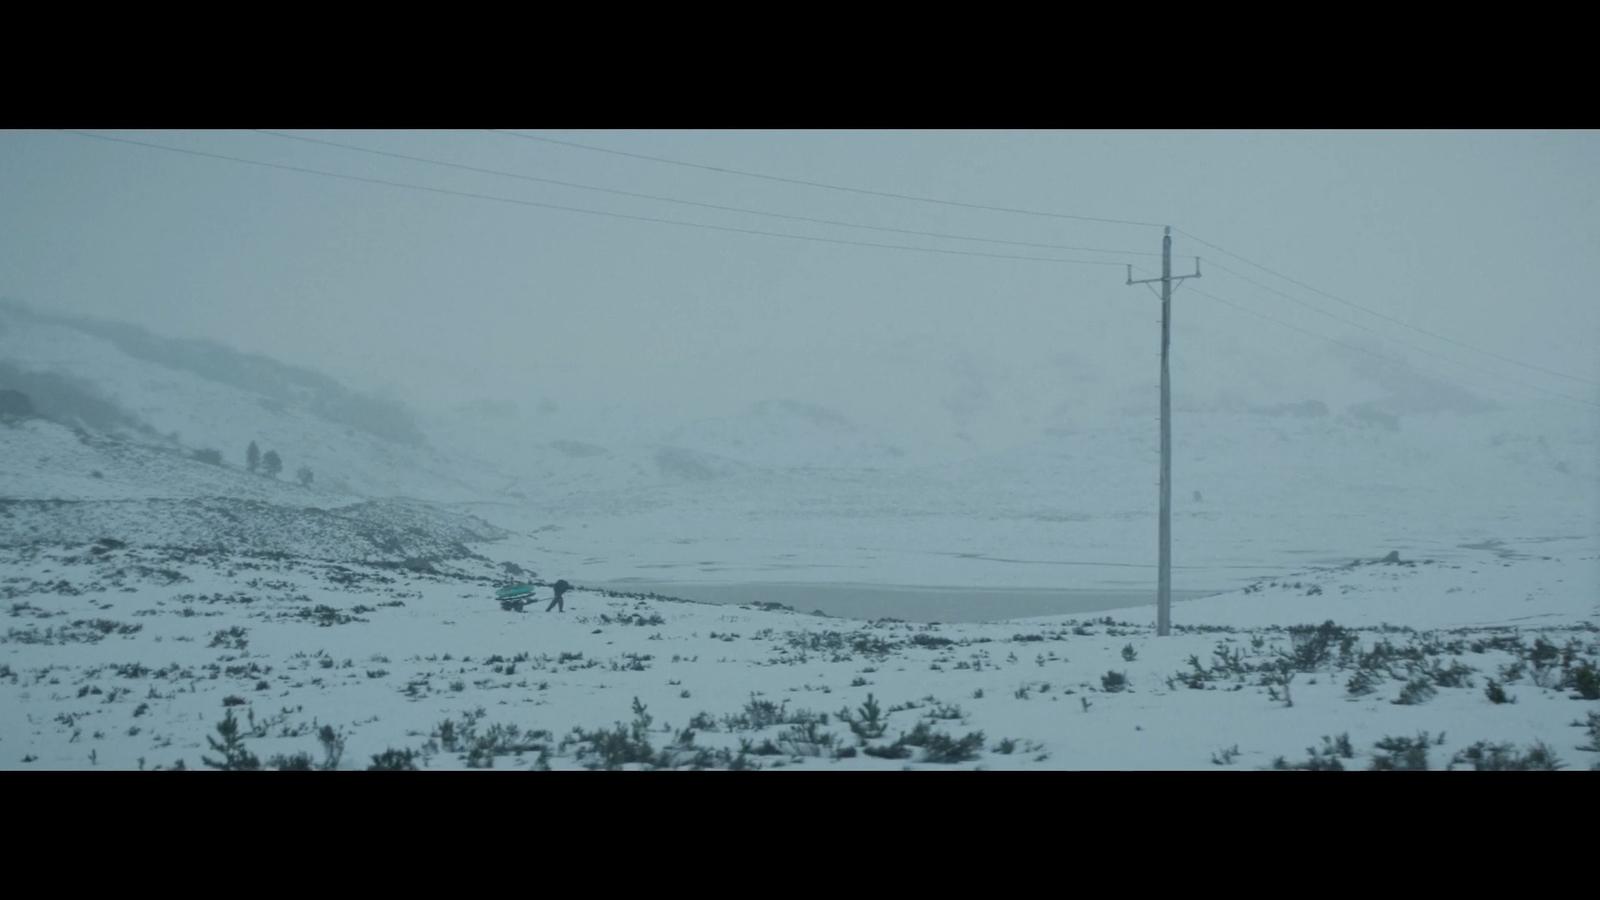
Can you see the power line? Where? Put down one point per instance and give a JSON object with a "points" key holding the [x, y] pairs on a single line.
{"points": [[818, 184], [1115, 221], [1387, 318], [593, 212], [1586, 404], [736, 209], [1392, 340], [838, 241]]}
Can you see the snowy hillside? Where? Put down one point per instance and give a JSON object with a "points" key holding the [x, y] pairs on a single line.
{"points": [[1055, 486], [83, 458], [155, 593], [166, 399], [787, 434]]}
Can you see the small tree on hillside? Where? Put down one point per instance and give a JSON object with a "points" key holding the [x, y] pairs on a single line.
{"points": [[252, 457], [271, 463], [303, 476], [235, 757]]}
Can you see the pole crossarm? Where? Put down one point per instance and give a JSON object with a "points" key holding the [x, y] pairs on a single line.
{"points": [[1173, 278]]}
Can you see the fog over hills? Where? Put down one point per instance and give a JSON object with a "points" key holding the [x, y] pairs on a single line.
{"points": [[845, 443], [1021, 485]]}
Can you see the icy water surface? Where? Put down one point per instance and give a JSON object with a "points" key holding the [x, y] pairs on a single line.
{"points": [[912, 604]]}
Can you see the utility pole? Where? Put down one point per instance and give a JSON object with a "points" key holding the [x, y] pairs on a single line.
{"points": [[1164, 581]]}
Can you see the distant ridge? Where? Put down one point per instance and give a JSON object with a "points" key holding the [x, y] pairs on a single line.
{"points": [[316, 393]]}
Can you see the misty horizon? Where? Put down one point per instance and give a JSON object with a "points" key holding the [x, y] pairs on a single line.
{"points": [[826, 449], [444, 301]]}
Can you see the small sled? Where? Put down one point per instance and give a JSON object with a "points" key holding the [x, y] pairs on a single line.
{"points": [[515, 597]]}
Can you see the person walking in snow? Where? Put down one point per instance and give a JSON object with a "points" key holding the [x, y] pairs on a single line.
{"points": [[560, 587]]}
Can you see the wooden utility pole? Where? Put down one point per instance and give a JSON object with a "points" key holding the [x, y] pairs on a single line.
{"points": [[1164, 579]]}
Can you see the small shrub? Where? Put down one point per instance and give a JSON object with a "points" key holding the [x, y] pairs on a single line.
{"points": [[1585, 679], [300, 762], [1402, 754], [1225, 757], [234, 755], [1281, 677], [392, 760], [764, 713], [937, 746], [1487, 757], [1327, 758], [1339, 746], [867, 723], [230, 638], [1128, 653], [1417, 691], [332, 748], [942, 748], [1593, 731], [806, 740], [1363, 682], [1113, 682], [619, 746], [1496, 693], [1453, 676], [765, 748]]}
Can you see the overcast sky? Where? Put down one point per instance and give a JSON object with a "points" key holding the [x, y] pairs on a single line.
{"points": [[1485, 238]]}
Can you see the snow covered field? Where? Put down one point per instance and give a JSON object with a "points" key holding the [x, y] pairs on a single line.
{"points": [[151, 598], [125, 657]]}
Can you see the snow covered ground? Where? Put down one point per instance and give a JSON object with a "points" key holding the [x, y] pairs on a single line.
{"points": [[127, 657], [151, 597]]}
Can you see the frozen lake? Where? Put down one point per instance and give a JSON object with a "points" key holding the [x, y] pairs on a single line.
{"points": [[911, 604]]}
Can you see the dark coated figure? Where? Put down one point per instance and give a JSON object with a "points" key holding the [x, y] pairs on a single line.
{"points": [[560, 587]]}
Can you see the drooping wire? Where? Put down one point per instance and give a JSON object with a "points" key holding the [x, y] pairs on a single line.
{"points": [[831, 187], [593, 212], [1587, 405], [1380, 315], [1386, 337], [696, 203]]}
